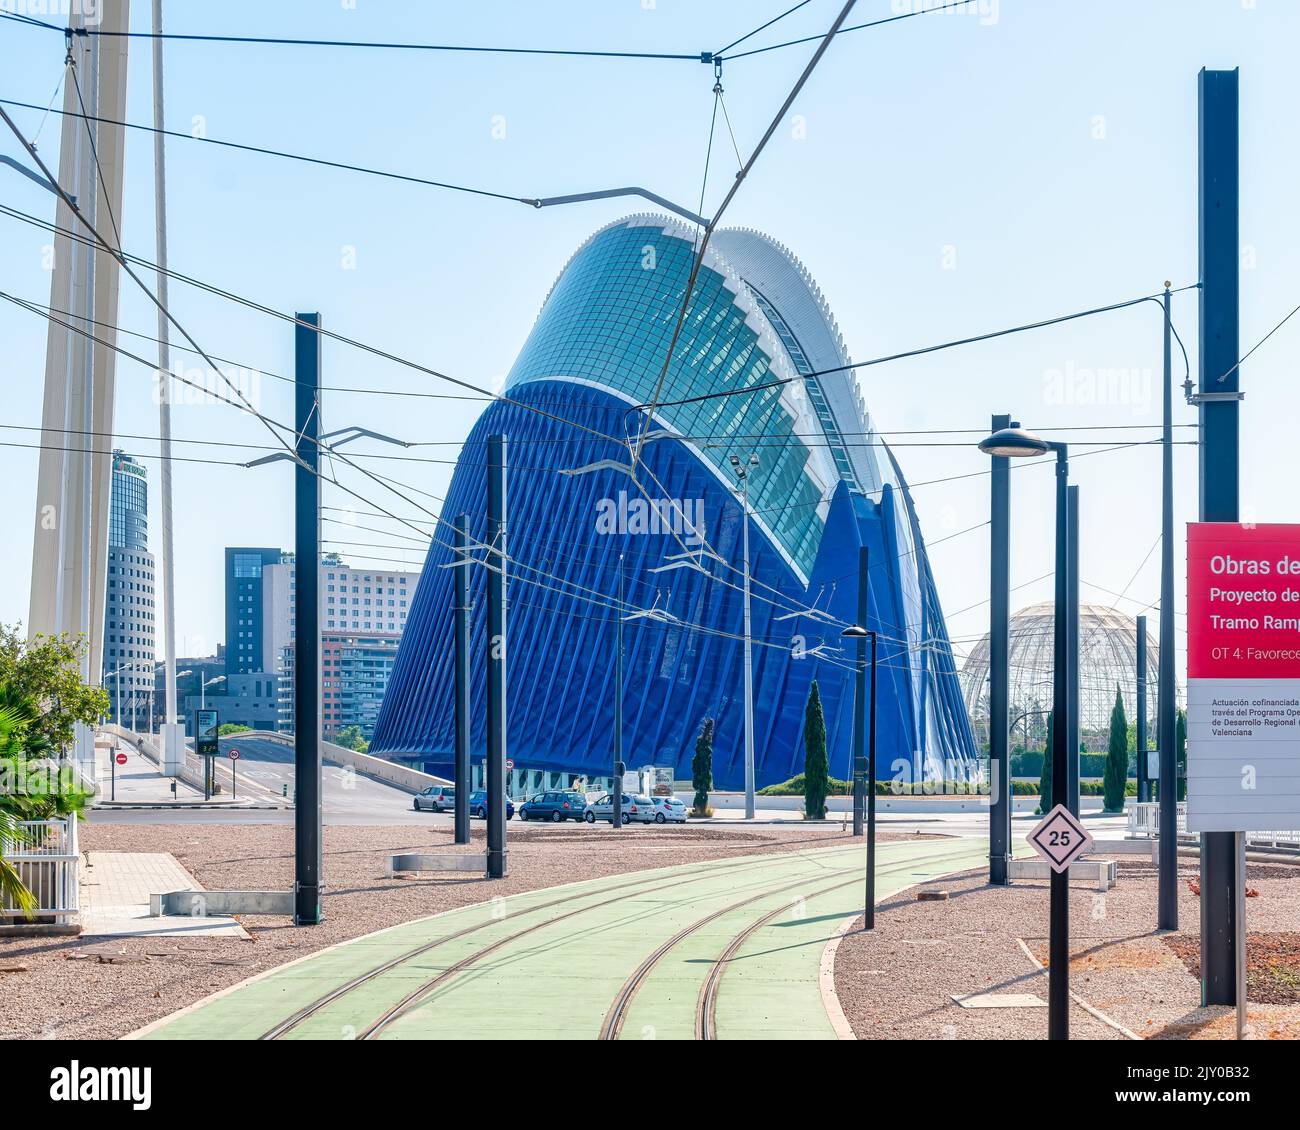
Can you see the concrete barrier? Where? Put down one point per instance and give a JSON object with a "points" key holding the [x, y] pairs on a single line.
{"points": [[401, 776], [203, 904], [1101, 871], [411, 862]]}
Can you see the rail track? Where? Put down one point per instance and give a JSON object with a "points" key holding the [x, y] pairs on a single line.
{"points": [[705, 1019], [411, 1000]]}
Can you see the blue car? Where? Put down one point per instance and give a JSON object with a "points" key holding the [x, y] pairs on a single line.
{"points": [[478, 805], [554, 806]]}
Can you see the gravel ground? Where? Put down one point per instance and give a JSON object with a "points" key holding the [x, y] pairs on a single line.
{"points": [[898, 982], [104, 988]]}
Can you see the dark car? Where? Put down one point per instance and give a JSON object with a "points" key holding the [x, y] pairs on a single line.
{"points": [[478, 805], [554, 806]]}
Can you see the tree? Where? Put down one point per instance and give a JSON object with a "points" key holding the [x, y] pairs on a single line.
{"points": [[46, 672], [816, 768], [1116, 775], [1180, 752], [351, 737], [1045, 780], [228, 728], [702, 768]]}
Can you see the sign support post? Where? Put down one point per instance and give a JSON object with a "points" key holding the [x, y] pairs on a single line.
{"points": [[1218, 399]]}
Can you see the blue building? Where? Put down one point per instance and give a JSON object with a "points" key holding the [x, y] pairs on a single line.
{"points": [[245, 612], [823, 484]]}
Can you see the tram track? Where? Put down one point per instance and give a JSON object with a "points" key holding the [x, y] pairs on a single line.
{"points": [[408, 1002], [705, 1024]]}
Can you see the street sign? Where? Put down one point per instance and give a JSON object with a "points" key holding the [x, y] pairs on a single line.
{"points": [[510, 764], [1060, 838], [234, 754], [1243, 677], [120, 758]]}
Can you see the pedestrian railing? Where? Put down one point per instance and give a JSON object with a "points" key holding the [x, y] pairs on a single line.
{"points": [[1144, 823], [46, 857]]}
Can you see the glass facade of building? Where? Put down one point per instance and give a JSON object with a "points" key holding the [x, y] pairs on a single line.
{"points": [[756, 328], [130, 607]]}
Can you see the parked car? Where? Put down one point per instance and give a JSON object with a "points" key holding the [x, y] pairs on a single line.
{"points": [[669, 810], [478, 805], [635, 807], [436, 798], [554, 806]]}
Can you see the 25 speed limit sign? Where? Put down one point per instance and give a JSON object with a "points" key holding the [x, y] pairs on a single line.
{"points": [[1060, 838]]}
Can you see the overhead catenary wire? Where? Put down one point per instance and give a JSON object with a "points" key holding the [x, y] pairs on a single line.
{"points": [[920, 351], [270, 151], [698, 259]]}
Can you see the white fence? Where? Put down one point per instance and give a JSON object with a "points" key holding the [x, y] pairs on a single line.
{"points": [[1144, 822], [46, 859]]}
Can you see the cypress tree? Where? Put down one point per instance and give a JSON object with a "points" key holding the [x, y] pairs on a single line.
{"points": [[1045, 781], [702, 768], [1116, 775], [816, 767]]}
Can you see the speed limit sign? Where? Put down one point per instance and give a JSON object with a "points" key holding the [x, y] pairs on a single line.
{"points": [[510, 764], [234, 754], [1060, 838]]}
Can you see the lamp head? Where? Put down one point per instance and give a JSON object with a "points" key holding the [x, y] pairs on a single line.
{"points": [[855, 632], [1014, 443]]}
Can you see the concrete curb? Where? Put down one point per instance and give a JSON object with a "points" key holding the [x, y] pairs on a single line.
{"points": [[199, 805]]}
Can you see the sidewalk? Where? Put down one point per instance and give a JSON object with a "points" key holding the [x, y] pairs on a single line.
{"points": [[115, 890], [138, 781]]}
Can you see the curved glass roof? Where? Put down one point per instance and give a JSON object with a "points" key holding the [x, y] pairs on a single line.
{"points": [[608, 322]]}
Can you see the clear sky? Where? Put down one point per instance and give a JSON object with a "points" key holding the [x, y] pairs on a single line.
{"points": [[945, 175]]}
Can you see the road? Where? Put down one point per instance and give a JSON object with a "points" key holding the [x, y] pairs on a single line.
{"points": [[725, 949], [264, 771]]}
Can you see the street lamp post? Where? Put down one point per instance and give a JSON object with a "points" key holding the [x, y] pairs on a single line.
{"points": [[619, 768], [743, 470], [862, 633], [1018, 443]]}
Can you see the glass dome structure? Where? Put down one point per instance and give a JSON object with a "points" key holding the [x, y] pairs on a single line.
{"points": [[1107, 661]]}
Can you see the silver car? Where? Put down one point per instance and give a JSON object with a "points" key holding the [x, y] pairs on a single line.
{"points": [[635, 807], [669, 810], [436, 798]]}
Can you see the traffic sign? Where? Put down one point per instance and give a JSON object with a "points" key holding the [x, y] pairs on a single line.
{"points": [[1060, 838], [234, 754], [510, 764], [120, 758]]}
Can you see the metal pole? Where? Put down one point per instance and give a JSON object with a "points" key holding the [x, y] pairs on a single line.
{"points": [[496, 664], [619, 768], [870, 916], [749, 661], [999, 652], [460, 543], [1072, 650], [164, 379], [1219, 484], [1167, 876], [1143, 782], [1058, 990], [860, 697], [306, 634], [1239, 937]]}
